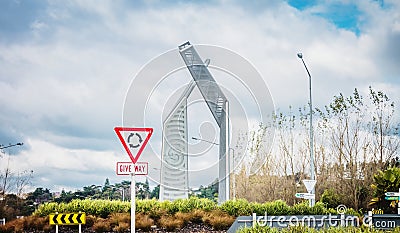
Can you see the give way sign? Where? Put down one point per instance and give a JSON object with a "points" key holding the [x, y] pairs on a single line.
{"points": [[134, 140]]}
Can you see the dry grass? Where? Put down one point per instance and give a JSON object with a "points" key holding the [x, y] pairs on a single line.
{"points": [[185, 217], [26, 223], [122, 227], [143, 222], [8, 228], [171, 223], [117, 218], [101, 225], [195, 216], [218, 220], [90, 220]]}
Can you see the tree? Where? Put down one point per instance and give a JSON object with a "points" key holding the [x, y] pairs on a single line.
{"points": [[346, 119], [142, 190], [13, 182], [385, 140], [40, 195], [155, 193]]}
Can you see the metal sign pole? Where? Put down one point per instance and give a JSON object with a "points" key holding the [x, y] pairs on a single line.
{"points": [[398, 204], [57, 225], [133, 197]]}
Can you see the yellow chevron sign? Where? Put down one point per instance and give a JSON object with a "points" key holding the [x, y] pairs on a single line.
{"points": [[67, 219]]}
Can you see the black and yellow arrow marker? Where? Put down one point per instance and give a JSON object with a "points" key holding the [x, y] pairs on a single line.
{"points": [[67, 219]]}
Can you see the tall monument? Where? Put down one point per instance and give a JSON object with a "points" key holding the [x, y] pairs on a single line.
{"points": [[174, 168]]}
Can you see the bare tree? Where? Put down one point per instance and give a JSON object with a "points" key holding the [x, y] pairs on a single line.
{"points": [[385, 141], [354, 138]]}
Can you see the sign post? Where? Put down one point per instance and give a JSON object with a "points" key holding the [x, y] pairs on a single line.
{"points": [[310, 184], [307, 196], [134, 143], [133, 201], [68, 219], [393, 196]]}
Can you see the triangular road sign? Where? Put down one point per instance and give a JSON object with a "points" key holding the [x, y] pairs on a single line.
{"points": [[310, 184], [134, 140]]}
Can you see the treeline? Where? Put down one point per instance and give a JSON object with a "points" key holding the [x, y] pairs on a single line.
{"points": [[354, 138], [12, 205]]}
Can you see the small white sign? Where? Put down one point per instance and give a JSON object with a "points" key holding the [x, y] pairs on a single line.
{"points": [[307, 196], [310, 184], [392, 194], [126, 168]]}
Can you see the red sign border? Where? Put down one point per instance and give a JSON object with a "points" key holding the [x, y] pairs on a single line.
{"points": [[118, 130]]}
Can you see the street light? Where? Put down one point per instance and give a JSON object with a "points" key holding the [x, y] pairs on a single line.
{"points": [[233, 161], [1, 148], [123, 193], [200, 139], [11, 145], [300, 55]]}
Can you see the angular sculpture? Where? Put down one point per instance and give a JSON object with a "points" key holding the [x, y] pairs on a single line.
{"points": [[174, 177]]}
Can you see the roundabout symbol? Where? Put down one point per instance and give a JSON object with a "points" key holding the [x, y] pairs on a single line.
{"points": [[131, 145]]}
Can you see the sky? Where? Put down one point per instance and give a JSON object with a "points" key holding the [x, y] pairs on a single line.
{"points": [[66, 68]]}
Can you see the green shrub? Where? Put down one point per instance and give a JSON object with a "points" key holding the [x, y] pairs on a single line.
{"points": [[101, 208], [201, 204], [258, 229], [258, 208], [331, 198], [236, 207], [318, 209], [278, 207], [146, 206], [302, 208]]}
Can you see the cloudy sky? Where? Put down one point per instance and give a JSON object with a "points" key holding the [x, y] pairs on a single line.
{"points": [[66, 67]]}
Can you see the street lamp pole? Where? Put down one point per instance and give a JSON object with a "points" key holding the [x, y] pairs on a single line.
{"points": [[233, 174], [11, 145], [200, 139], [4, 147], [312, 201], [233, 159]]}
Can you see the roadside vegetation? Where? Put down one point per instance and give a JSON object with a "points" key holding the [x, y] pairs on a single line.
{"points": [[109, 215], [303, 229]]}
